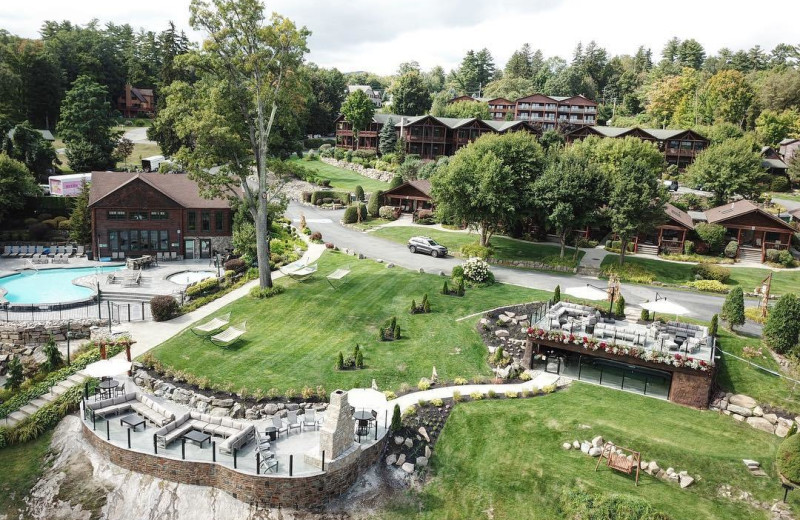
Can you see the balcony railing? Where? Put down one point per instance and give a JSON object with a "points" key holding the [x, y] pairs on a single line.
{"points": [[591, 110]]}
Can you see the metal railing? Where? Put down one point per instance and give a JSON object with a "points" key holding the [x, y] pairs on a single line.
{"points": [[118, 312]]}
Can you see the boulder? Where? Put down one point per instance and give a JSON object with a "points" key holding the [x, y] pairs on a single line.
{"points": [[741, 410], [407, 467], [760, 423], [750, 463], [597, 441], [509, 314], [401, 459], [781, 430], [670, 471], [218, 412], [594, 452], [222, 403], [738, 417], [389, 265], [652, 467], [270, 408], [409, 443], [292, 407], [251, 414], [421, 462], [742, 400], [424, 433], [504, 318], [391, 459], [501, 333], [576, 445], [771, 417], [237, 412], [421, 270], [566, 446], [398, 440], [202, 406], [201, 397], [585, 446], [427, 452], [758, 412]]}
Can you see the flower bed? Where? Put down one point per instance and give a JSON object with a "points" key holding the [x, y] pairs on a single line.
{"points": [[677, 360]]}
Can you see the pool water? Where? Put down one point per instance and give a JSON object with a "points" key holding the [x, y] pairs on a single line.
{"points": [[187, 277], [49, 285]]}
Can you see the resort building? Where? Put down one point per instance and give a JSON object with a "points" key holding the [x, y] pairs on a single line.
{"points": [[373, 95], [410, 196], [668, 237], [773, 162], [755, 229], [550, 112], [788, 148], [427, 136], [500, 108], [671, 360], [136, 214], [679, 147], [136, 102]]}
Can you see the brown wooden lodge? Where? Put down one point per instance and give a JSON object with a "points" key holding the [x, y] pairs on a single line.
{"points": [[549, 111], [135, 214]]}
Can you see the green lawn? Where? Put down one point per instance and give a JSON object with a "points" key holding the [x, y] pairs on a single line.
{"points": [[293, 339], [20, 468], [505, 458], [794, 196], [140, 151], [504, 248], [747, 277], [342, 178]]}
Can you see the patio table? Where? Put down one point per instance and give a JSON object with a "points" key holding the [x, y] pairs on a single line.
{"points": [[133, 421], [197, 437]]}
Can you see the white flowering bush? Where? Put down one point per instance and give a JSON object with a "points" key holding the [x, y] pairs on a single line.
{"points": [[476, 270]]}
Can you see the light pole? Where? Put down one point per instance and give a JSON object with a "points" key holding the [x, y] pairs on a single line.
{"points": [[69, 335]]}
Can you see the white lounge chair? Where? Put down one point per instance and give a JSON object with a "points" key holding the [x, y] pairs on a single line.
{"points": [[293, 423], [310, 419], [7, 251], [213, 325], [337, 275], [298, 270], [229, 336], [80, 252]]}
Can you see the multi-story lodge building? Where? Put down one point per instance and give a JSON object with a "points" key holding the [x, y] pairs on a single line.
{"points": [[550, 112], [679, 147], [135, 214], [136, 102], [427, 136]]}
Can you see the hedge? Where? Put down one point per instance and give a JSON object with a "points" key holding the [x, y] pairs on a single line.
{"points": [[317, 197], [789, 458], [24, 397], [203, 288]]}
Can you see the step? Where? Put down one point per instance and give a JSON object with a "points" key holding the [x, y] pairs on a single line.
{"points": [[18, 415], [77, 378], [49, 397], [8, 422], [40, 402], [29, 409]]}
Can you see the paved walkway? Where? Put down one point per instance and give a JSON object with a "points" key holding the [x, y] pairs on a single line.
{"points": [[148, 334]]}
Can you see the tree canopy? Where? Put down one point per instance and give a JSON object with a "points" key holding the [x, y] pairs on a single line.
{"points": [[16, 183], [730, 168], [410, 97], [358, 110]]}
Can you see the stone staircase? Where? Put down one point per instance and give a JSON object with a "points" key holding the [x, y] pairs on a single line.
{"points": [[29, 409], [749, 254], [126, 296], [647, 249]]}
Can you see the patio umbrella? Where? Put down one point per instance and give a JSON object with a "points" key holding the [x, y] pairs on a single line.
{"points": [[665, 307], [366, 399], [107, 368], [587, 292]]}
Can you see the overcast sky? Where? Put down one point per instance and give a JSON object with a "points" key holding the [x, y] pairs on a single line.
{"points": [[377, 35]]}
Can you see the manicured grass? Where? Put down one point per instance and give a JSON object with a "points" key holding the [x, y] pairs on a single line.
{"points": [[342, 178], [505, 457], [735, 375], [140, 151], [293, 339], [747, 277], [794, 196], [20, 468], [504, 248]]}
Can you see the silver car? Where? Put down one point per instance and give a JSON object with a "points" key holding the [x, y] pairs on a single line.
{"points": [[426, 245]]}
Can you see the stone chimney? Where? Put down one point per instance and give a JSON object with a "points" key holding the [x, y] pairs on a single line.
{"points": [[335, 435]]}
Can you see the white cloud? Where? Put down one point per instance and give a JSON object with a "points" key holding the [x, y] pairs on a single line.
{"points": [[377, 35]]}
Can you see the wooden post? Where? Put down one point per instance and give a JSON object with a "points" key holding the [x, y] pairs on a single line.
{"points": [[766, 287]]}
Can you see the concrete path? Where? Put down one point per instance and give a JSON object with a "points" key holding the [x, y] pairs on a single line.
{"points": [[148, 334]]}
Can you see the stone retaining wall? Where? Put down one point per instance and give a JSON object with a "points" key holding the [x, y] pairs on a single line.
{"points": [[20, 333], [745, 409], [532, 265], [305, 492], [372, 173]]}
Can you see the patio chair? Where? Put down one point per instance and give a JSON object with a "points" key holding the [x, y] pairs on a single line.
{"points": [[267, 460], [278, 424], [173, 255], [310, 419], [229, 336], [294, 424], [298, 270], [262, 443], [337, 275], [80, 252], [7, 251], [212, 325]]}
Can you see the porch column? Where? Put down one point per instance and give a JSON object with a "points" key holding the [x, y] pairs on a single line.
{"points": [[683, 240]]}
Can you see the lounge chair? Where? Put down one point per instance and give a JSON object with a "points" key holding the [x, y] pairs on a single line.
{"points": [[278, 424], [229, 336], [27, 252], [310, 419], [80, 252], [337, 275], [294, 424], [298, 270], [132, 280], [212, 325], [70, 251], [7, 251]]}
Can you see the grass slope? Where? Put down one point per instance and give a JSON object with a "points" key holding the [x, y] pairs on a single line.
{"points": [[506, 457], [504, 248], [293, 339], [342, 178], [680, 273], [20, 468]]}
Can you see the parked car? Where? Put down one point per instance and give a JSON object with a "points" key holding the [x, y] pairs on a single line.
{"points": [[671, 185], [426, 245]]}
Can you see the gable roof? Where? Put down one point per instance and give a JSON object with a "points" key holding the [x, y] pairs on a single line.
{"points": [[176, 186], [46, 134], [678, 215], [789, 140], [421, 185], [660, 134], [739, 208]]}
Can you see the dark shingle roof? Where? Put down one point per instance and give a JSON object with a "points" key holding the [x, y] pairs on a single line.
{"points": [[177, 186], [679, 215], [738, 208]]}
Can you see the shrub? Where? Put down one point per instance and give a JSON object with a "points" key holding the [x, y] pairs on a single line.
{"points": [[396, 422], [476, 396], [390, 396], [525, 376], [629, 272], [789, 458], [64, 225], [731, 249], [437, 403], [645, 315], [548, 389], [445, 288], [712, 329], [38, 231], [619, 306], [780, 183], [476, 270], [374, 205], [359, 193], [396, 181], [163, 307], [557, 294], [476, 250], [511, 395], [783, 325], [316, 236], [772, 255], [688, 247], [425, 217], [491, 394], [785, 258], [706, 271], [266, 292], [53, 355], [207, 286], [359, 360], [456, 396], [351, 213], [388, 213], [235, 264], [460, 381], [424, 384], [733, 308], [458, 272], [422, 403], [709, 286], [711, 234]]}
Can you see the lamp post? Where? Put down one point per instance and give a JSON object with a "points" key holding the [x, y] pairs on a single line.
{"points": [[69, 335], [607, 289]]}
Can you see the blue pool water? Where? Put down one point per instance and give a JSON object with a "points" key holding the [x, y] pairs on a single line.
{"points": [[49, 285]]}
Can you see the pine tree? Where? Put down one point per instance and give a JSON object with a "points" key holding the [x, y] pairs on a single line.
{"points": [[413, 306], [782, 329], [445, 288], [397, 332], [80, 226], [733, 308], [557, 294], [14, 375], [396, 423], [359, 360], [712, 330], [461, 289], [356, 350], [426, 305], [54, 358], [387, 138], [340, 361], [620, 306]]}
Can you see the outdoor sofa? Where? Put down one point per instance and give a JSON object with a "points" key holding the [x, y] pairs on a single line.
{"points": [[235, 433], [135, 401]]}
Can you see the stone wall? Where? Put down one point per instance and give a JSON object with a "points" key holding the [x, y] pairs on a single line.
{"points": [[532, 265], [310, 492], [372, 173], [745, 409], [20, 333]]}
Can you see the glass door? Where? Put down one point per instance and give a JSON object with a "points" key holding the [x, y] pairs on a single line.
{"points": [[205, 248], [189, 248]]}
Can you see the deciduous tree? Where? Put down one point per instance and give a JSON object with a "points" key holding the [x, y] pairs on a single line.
{"points": [[730, 168], [16, 183], [409, 95], [358, 110]]}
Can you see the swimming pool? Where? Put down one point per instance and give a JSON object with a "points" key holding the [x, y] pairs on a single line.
{"points": [[49, 285], [187, 277]]}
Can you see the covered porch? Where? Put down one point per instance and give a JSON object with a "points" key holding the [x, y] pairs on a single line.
{"points": [[410, 196]]}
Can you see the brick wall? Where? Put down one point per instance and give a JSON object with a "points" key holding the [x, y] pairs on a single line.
{"points": [[305, 492], [691, 389]]}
